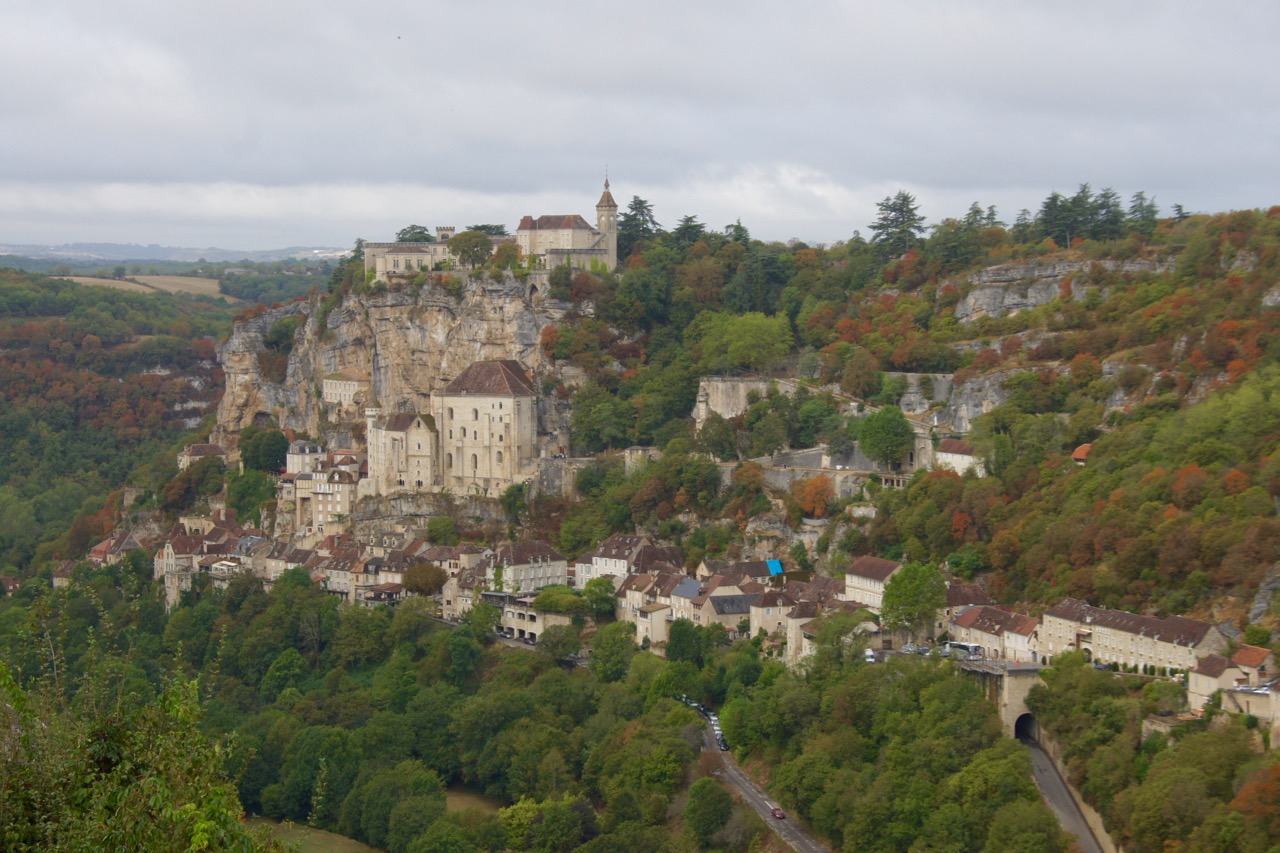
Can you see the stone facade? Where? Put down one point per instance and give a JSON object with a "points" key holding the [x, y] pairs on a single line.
{"points": [[1127, 639]]}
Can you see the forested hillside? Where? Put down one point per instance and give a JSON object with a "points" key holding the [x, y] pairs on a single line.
{"points": [[95, 384]]}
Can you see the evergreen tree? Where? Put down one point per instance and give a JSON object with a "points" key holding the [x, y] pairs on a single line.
{"points": [[899, 226], [635, 225]]}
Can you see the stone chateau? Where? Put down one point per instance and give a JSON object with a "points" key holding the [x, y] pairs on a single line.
{"points": [[545, 242]]}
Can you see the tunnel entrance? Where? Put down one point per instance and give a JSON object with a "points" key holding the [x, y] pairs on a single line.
{"points": [[1026, 728]]}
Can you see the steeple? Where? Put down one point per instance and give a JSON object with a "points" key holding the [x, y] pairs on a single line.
{"points": [[607, 223]]}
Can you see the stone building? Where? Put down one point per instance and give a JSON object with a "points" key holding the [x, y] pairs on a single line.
{"points": [[486, 424], [1127, 639], [865, 580], [402, 452], [551, 241]]}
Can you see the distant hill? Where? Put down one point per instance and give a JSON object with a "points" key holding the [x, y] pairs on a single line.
{"points": [[100, 252]]}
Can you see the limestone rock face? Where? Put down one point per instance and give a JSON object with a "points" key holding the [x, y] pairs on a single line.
{"points": [[409, 343], [1010, 288]]}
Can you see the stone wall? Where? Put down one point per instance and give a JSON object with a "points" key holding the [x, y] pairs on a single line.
{"points": [[1091, 816]]}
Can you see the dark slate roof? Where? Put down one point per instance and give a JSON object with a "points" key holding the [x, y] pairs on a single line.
{"points": [[1178, 630], [728, 605], [523, 553], [570, 221], [505, 378]]}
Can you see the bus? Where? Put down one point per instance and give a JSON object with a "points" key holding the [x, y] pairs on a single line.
{"points": [[963, 651]]}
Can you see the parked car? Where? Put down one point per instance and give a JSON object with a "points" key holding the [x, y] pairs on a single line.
{"points": [[908, 648], [778, 813], [869, 656]]}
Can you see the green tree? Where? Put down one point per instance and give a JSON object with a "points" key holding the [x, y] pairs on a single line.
{"points": [[493, 230], [898, 226], [636, 224], [728, 342], [415, 234], [1026, 826], [600, 597], [707, 810], [913, 597], [886, 435], [611, 651], [471, 248], [442, 530], [559, 641], [264, 450]]}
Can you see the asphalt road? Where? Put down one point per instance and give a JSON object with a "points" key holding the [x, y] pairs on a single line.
{"points": [[1054, 790], [731, 774]]}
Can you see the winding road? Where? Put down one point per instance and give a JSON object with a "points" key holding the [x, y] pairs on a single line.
{"points": [[731, 774]]}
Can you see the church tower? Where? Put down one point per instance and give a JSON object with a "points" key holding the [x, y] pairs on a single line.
{"points": [[607, 225]]}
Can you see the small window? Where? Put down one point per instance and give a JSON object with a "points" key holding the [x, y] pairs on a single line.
{"points": [[464, 432], [451, 414], [499, 457], [475, 462], [448, 462], [499, 437], [475, 414]]}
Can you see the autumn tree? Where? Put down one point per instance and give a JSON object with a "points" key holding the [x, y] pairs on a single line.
{"points": [[815, 495], [425, 579]]}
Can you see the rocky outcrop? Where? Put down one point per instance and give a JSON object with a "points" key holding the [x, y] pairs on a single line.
{"points": [[409, 343], [1009, 288]]}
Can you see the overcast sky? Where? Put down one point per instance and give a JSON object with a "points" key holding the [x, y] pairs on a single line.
{"points": [[255, 125]]}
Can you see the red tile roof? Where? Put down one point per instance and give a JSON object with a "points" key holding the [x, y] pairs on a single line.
{"points": [[1251, 656], [955, 445], [1081, 453]]}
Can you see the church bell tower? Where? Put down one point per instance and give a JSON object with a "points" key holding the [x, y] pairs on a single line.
{"points": [[607, 225]]}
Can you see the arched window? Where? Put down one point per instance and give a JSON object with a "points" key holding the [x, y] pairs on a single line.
{"points": [[475, 414], [475, 462], [499, 436], [451, 413], [499, 457], [464, 432], [448, 462]]}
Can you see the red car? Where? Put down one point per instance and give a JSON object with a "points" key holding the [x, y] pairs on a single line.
{"points": [[777, 813]]}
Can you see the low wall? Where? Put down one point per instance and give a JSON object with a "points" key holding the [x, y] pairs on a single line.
{"points": [[1091, 815]]}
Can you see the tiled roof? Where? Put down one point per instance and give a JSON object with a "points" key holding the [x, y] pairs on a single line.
{"points": [[1212, 665], [1081, 453], [204, 450], [505, 378], [775, 599], [955, 445], [959, 593], [1178, 630], [523, 553], [993, 620], [1251, 656], [874, 568]]}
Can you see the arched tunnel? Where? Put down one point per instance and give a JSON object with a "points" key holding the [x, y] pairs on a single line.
{"points": [[1026, 728]]}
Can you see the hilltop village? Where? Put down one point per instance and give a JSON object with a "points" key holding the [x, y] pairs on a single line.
{"points": [[552, 515], [407, 437]]}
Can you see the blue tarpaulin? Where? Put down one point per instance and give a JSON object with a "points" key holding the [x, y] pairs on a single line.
{"points": [[775, 567]]}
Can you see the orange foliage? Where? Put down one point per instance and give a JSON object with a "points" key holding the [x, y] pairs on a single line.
{"points": [[814, 495], [1235, 481]]}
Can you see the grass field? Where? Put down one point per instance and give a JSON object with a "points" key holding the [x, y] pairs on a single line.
{"points": [[132, 287], [310, 840], [184, 284], [151, 283], [459, 800]]}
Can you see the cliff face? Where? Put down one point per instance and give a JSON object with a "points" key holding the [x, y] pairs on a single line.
{"points": [[409, 344], [1010, 288]]}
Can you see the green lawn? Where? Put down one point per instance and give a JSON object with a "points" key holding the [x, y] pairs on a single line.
{"points": [[310, 840]]}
